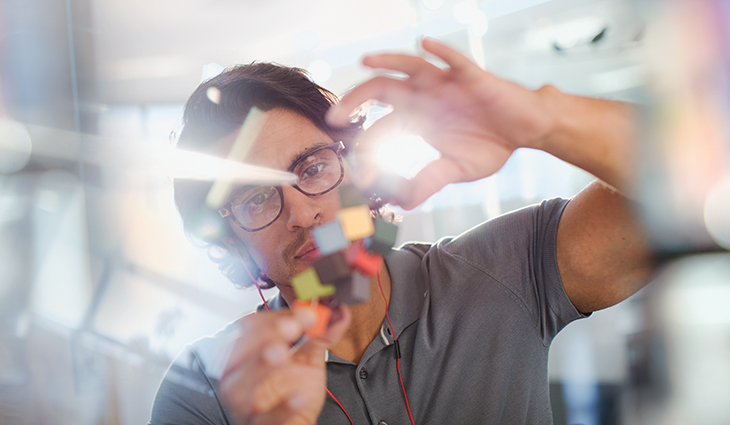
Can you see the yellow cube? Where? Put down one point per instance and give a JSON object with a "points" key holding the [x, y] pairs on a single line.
{"points": [[307, 285], [356, 222]]}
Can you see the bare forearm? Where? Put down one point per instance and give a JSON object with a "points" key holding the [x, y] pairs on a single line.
{"points": [[595, 135]]}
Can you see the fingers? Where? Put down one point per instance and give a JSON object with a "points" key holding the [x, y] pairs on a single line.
{"points": [[414, 66], [268, 383], [264, 337], [383, 89], [283, 385], [428, 181], [297, 378], [455, 60], [368, 143], [312, 351], [422, 76]]}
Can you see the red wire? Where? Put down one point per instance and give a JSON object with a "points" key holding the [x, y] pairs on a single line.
{"points": [[261, 294], [397, 363], [255, 282], [339, 404], [387, 316]]}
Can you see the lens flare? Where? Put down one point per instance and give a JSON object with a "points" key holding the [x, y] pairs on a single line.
{"points": [[406, 155]]}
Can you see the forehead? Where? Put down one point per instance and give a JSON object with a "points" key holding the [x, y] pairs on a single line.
{"points": [[285, 136]]}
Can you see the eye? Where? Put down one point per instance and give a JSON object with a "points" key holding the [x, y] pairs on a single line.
{"points": [[313, 170], [258, 199]]}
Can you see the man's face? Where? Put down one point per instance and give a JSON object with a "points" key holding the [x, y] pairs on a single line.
{"points": [[285, 248]]}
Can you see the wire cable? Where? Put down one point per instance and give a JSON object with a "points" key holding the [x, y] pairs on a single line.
{"points": [[397, 351]]}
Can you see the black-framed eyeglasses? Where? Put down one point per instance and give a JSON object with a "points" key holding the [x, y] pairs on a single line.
{"points": [[257, 207]]}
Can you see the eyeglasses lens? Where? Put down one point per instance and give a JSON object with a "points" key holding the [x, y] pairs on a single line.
{"points": [[318, 172], [257, 207]]}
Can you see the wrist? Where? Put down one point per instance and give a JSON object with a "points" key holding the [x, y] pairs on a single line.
{"points": [[593, 134], [549, 99]]}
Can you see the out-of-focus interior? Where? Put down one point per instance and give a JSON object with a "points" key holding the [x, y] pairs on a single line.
{"points": [[100, 288]]}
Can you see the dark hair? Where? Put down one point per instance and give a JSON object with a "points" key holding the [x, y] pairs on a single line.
{"points": [[218, 108]]}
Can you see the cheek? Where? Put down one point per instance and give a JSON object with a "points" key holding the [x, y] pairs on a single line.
{"points": [[258, 250], [253, 245], [333, 200]]}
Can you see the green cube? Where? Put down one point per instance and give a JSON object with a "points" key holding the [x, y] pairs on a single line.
{"points": [[383, 239], [350, 196], [307, 286]]}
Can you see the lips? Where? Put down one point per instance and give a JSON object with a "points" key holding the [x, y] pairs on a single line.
{"points": [[308, 252]]}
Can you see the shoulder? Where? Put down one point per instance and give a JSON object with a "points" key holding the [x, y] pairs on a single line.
{"points": [[515, 236], [188, 391], [511, 228]]}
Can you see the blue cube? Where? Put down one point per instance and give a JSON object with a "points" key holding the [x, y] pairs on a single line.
{"points": [[330, 237]]}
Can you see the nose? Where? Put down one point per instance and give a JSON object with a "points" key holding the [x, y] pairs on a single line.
{"points": [[300, 211]]}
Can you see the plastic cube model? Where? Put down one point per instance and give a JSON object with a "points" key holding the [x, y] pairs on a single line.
{"points": [[332, 267], [330, 237], [323, 314], [307, 286], [383, 238], [356, 222], [354, 289], [362, 260], [350, 196]]}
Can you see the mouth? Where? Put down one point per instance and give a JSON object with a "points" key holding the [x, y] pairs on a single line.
{"points": [[308, 252]]}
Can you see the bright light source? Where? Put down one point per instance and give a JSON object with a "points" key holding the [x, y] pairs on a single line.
{"points": [[406, 155], [320, 71], [432, 4], [15, 146]]}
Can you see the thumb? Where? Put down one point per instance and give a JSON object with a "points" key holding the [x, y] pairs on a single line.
{"points": [[312, 350]]}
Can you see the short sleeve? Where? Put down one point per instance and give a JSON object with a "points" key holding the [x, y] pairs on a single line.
{"points": [[517, 250]]}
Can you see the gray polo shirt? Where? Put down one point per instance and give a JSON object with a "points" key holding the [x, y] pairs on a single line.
{"points": [[474, 317]]}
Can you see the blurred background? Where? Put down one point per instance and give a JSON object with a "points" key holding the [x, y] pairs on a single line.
{"points": [[100, 288]]}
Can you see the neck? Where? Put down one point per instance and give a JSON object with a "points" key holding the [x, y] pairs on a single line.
{"points": [[366, 321]]}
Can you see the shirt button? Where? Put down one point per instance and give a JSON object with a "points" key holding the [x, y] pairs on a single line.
{"points": [[382, 423], [364, 375]]}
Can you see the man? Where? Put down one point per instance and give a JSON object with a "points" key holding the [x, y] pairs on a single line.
{"points": [[470, 318]]}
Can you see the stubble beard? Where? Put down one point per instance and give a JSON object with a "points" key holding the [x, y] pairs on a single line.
{"points": [[291, 263]]}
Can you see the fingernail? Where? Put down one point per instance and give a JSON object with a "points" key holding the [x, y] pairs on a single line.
{"points": [[275, 354], [289, 328]]}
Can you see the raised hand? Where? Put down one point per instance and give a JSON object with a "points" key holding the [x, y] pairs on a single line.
{"points": [[474, 119], [267, 382]]}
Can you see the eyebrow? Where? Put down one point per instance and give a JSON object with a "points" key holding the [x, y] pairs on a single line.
{"points": [[304, 152]]}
